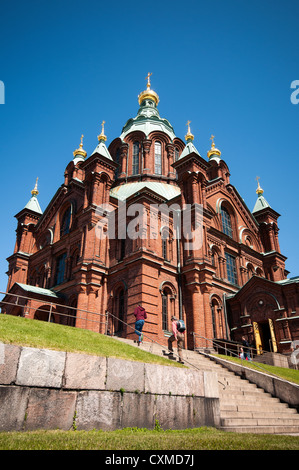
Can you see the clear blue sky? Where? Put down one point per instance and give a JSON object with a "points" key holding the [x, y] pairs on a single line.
{"points": [[226, 66]]}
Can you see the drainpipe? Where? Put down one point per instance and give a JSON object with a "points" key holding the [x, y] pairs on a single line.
{"points": [[179, 263]]}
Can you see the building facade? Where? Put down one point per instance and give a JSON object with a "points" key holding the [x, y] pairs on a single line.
{"points": [[117, 234]]}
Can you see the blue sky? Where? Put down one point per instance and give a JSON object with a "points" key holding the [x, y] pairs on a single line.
{"points": [[227, 66]]}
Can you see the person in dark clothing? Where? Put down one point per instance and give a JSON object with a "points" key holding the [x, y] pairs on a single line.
{"points": [[245, 345], [141, 316]]}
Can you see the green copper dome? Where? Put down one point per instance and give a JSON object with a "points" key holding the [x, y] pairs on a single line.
{"points": [[148, 118]]}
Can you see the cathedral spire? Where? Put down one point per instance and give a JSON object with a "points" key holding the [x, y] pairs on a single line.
{"points": [[101, 147], [261, 202], [33, 203], [189, 148]]}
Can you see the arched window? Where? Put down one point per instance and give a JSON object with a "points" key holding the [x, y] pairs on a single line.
{"points": [[215, 261], [60, 269], [158, 158], [164, 310], [167, 248], [259, 272], [217, 319], [135, 162], [231, 268], [176, 154], [65, 222], [250, 271], [226, 222], [213, 312]]}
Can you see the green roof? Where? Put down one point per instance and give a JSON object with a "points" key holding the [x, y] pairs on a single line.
{"points": [[148, 120], [102, 150], [260, 204], [167, 191], [37, 290], [189, 148], [33, 205]]}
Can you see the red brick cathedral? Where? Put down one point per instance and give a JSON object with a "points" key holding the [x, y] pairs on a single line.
{"points": [[69, 265]]}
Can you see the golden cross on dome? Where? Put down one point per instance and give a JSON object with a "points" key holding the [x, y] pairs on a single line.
{"points": [[188, 124], [212, 138], [148, 80], [34, 192], [81, 143], [259, 189], [102, 135]]}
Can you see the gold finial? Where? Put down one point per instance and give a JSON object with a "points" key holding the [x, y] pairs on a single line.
{"points": [[259, 190], [148, 93], [148, 80], [34, 192], [213, 150], [102, 136], [80, 150], [189, 136]]}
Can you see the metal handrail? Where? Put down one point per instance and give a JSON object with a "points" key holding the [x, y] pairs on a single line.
{"points": [[78, 317], [156, 342], [51, 305], [244, 362], [253, 351], [151, 339]]}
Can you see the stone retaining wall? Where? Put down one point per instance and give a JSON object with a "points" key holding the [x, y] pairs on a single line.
{"points": [[46, 389]]}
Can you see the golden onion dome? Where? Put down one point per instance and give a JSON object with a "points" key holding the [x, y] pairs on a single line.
{"points": [[102, 137], [213, 150], [80, 151], [34, 191], [148, 93], [259, 190], [189, 135]]}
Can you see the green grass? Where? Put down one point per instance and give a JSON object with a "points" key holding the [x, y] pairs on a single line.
{"points": [[44, 335], [144, 439], [38, 334], [292, 375]]}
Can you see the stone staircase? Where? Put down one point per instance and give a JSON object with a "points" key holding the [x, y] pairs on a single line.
{"points": [[243, 406]]}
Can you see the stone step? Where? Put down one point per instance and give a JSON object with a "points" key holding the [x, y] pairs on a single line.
{"points": [[268, 407], [239, 386], [259, 422], [289, 430], [252, 401], [243, 406], [258, 414]]}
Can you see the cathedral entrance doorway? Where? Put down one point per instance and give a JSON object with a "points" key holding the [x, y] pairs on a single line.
{"points": [[264, 335]]}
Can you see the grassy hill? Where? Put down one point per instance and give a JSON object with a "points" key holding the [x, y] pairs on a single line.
{"points": [[39, 334]]}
